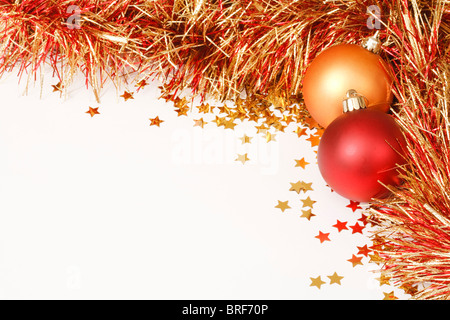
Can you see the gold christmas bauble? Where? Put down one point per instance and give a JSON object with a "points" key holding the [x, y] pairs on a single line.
{"points": [[341, 68]]}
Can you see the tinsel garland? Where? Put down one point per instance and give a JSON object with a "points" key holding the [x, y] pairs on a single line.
{"points": [[221, 48]]}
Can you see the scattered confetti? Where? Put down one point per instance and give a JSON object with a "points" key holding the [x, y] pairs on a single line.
{"points": [[355, 260], [308, 202], [242, 158], [57, 87], [282, 205], [127, 96], [301, 163], [340, 225], [155, 121], [335, 278], [93, 111], [363, 250], [354, 205], [357, 228], [307, 214], [246, 139], [317, 282], [323, 237], [389, 296], [199, 123]]}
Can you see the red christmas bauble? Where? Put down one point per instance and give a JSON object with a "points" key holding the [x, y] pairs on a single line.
{"points": [[359, 150]]}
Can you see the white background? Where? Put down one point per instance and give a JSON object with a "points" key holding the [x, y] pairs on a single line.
{"points": [[111, 208]]}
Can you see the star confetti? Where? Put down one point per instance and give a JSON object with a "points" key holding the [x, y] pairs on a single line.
{"points": [[308, 202], [383, 279], [229, 124], [242, 158], [354, 205], [301, 163], [300, 132], [335, 278], [323, 237], [155, 121], [127, 96], [314, 140], [57, 87], [270, 137], [357, 228], [141, 85], [316, 282], [199, 123], [363, 250], [282, 205], [389, 296], [355, 260], [93, 111], [300, 186], [340, 226], [246, 139], [307, 214]]}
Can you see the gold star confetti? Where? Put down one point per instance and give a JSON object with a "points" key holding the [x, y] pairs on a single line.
{"points": [[335, 278], [300, 132], [246, 139], [314, 140], [383, 279], [261, 129], [156, 121], [301, 163], [229, 124], [182, 111], [204, 108], [141, 85], [93, 111], [307, 214], [127, 95], [300, 186], [243, 158], [355, 260], [220, 121], [375, 258], [199, 123], [279, 127], [389, 296], [282, 205], [57, 87], [270, 137], [409, 289], [308, 202], [316, 282]]}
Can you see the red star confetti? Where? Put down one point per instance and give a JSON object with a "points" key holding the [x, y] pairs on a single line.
{"points": [[323, 237], [340, 225], [357, 228], [363, 250], [355, 260], [354, 205]]}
